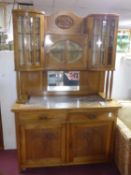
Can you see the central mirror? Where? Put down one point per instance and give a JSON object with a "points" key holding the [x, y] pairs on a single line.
{"points": [[63, 80]]}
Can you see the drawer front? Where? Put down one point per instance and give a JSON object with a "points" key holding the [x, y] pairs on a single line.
{"points": [[40, 116], [91, 116]]}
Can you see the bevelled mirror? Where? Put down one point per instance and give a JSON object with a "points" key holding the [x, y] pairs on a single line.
{"points": [[63, 80]]}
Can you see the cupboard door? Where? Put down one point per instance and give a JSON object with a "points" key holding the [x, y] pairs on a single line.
{"points": [[28, 38], [66, 52], [102, 30], [91, 138], [41, 143]]}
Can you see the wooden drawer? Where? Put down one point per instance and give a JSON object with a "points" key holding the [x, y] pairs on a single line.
{"points": [[45, 116], [91, 116]]}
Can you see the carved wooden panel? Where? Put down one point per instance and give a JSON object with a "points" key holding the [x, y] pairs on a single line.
{"points": [[90, 141], [42, 144], [65, 23]]}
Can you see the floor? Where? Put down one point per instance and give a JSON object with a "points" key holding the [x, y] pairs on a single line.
{"points": [[9, 166]]}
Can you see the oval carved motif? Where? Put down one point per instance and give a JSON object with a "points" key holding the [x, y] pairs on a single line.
{"points": [[64, 22]]}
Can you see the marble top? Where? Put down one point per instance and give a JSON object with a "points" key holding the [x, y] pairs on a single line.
{"points": [[64, 101]]}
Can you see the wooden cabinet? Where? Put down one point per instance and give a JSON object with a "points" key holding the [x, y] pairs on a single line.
{"points": [[102, 32], [64, 127], [59, 137], [28, 39]]}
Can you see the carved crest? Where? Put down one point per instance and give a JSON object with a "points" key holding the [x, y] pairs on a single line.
{"points": [[64, 22]]}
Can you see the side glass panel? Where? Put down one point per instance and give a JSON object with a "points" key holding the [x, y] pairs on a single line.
{"points": [[102, 43], [63, 80], [21, 39], [29, 40], [111, 25], [96, 42], [37, 39]]}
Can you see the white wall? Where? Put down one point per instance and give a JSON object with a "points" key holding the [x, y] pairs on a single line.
{"points": [[7, 97], [122, 78], [9, 29]]}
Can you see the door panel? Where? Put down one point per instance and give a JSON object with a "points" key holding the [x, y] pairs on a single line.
{"points": [[90, 141], [42, 144]]}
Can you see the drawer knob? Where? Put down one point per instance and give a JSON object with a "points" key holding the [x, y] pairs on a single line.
{"points": [[43, 117], [92, 117]]}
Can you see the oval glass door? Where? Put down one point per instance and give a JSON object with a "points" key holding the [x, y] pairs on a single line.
{"points": [[66, 51]]}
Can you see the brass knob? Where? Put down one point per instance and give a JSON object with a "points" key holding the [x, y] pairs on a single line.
{"points": [[92, 117], [43, 117]]}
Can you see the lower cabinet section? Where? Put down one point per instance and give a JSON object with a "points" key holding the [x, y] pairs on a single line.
{"points": [[50, 138]]}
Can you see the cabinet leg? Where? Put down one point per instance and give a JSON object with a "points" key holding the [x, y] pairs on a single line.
{"points": [[22, 170]]}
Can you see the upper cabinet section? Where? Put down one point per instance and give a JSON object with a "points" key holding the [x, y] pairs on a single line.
{"points": [[102, 33], [28, 39], [64, 41]]}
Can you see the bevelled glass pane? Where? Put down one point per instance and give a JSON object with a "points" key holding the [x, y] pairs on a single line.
{"points": [[110, 43], [97, 26], [20, 24], [74, 51], [28, 22], [21, 56], [37, 48], [66, 51], [37, 24], [97, 41], [57, 51], [96, 44], [21, 41], [21, 48], [28, 47]]}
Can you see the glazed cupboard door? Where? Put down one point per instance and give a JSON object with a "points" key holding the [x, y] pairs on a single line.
{"points": [[28, 39], [41, 142], [90, 138], [66, 52], [102, 32]]}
